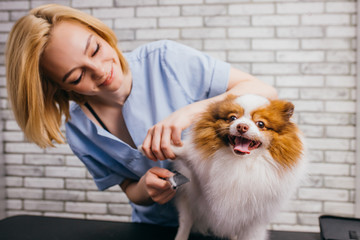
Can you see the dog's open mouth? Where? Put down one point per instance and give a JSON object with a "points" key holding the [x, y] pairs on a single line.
{"points": [[243, 145]]}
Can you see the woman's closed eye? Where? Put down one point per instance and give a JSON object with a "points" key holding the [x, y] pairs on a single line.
{"points": [[78, 79], [96, 50], [98, 46]]}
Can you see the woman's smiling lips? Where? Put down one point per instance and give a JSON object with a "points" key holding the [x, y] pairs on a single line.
{"points": [[109, 78]]}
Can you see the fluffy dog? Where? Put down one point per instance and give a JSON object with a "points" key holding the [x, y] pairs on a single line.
{"points": [[244, 157]]}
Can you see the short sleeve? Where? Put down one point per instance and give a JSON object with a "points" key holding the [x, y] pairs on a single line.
{"points": [[200, 75]]}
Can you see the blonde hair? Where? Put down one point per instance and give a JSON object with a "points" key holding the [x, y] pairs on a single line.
{"points": [[38, 102]]}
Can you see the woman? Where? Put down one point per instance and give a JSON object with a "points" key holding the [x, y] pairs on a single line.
{"points": [[147, 97]]}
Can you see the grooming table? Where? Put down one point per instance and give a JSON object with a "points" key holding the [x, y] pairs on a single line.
{"points": [[24, 227]]}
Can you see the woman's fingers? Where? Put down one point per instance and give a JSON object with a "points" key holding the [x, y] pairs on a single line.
{"points": [[176, 136], [161, 173], [152, 144], [155, 146], [159, 189], [157, 143], [166, 143], [166, 196], [146, 146]]}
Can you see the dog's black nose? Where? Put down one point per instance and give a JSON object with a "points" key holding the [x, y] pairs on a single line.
{"points": [[242, 128]]}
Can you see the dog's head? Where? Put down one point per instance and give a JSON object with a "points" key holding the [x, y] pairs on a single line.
{"points": [[247, 124]]}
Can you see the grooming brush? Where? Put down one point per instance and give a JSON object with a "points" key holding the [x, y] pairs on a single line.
{"points": [[177, 180]]}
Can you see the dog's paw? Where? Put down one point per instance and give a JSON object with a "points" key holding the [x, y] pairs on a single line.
{"points": [[178, 150], [140, 149]]}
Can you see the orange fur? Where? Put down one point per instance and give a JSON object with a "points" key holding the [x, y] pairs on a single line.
{"points": [[210, 132]]}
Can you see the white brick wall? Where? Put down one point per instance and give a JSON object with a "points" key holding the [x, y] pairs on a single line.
{"points": [[306, 49]]}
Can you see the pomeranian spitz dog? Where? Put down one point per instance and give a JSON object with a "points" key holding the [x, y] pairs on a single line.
{"points": [[244, 157]]}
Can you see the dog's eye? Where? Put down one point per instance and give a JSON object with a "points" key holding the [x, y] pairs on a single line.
{"points": [[260, 124], [232, 118]]}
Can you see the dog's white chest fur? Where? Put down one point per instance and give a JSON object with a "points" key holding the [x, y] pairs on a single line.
{"points": [[229, 197]]}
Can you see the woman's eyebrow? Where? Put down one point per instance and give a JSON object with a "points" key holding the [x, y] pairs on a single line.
{"points": [[85, 50]]}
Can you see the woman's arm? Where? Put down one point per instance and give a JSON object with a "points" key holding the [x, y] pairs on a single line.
{"points": [[243, 83], [158, 141]]}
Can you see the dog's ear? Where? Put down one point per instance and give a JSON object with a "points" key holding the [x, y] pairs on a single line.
{"points": [[288, 110], [285, 108]]}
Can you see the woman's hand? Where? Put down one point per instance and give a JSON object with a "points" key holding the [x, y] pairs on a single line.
{"points": [[152, 187], [154, 183], [160, 137]]}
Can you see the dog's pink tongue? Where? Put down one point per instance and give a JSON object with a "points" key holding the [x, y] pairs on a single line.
{"points": [[242, 145]]}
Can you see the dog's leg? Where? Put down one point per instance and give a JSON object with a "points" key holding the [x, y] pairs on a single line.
{"points": [[184, 229], [185, 219], [255, 233]]}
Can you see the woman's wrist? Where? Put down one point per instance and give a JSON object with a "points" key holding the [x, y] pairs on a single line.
{"points": [[136, 192]]}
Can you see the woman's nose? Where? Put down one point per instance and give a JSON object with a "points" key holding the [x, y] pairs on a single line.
{"points": [[98, 72]]}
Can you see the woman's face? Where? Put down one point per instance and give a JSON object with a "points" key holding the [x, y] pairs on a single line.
{"points": [[79, 60]]}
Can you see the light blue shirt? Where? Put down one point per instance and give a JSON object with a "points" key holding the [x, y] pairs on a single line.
{"points": [[166, 76]]}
